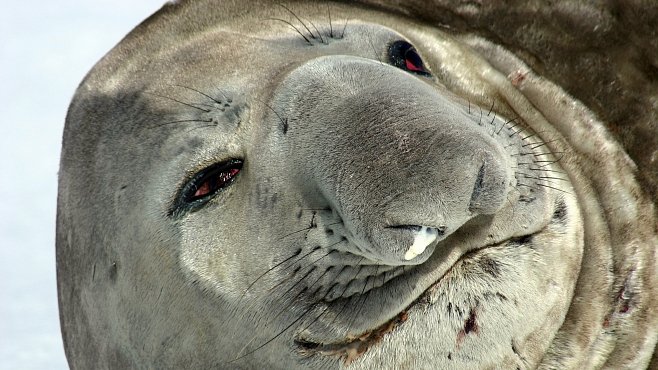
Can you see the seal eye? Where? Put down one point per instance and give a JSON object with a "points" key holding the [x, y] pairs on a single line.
{"points": [[205, 184], [404, 56]]}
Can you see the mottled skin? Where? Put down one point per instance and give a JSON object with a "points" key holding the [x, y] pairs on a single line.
{"points": [[547, 231]]}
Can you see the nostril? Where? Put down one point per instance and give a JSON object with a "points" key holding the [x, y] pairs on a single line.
{"points": [[440, 230], [414, 228], [490, 187]]}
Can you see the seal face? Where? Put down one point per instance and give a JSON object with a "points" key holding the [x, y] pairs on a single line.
{"points": [[312, 193]]}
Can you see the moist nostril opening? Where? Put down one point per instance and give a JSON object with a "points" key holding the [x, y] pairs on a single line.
{"points": [[415, 228], [478, 189], [490, 187]]}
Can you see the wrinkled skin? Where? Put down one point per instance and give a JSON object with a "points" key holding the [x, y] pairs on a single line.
{"points": [[241, 185]]}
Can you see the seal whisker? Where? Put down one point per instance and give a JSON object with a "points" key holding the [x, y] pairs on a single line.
{"points": [[363, 297], [307, 288], [200, 127], [344, 28], [293, 27], [347, 301], [326, 309], [297, 253], [273, 338], [284, 122], [178, 101], [204, 94], [274, 318], [299, 19], [374, 50], [505, 124], [331, 28], [182, 121], [296, 232], [318, 31], [313, 268]]}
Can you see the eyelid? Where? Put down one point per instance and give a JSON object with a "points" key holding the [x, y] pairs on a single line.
{"points": [[184, 201]]}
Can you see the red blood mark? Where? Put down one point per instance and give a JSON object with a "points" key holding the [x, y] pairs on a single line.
{"points": [[517, 78], [470, 326], [624, 298]]}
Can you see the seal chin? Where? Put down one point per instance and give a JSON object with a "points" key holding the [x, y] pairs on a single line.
{"points": [[351, 348]]}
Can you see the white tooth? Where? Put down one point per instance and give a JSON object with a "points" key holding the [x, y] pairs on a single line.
{"points": [[423, 238]]}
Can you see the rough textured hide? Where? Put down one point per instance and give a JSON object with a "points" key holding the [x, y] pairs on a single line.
{"points": [[240, 185]]}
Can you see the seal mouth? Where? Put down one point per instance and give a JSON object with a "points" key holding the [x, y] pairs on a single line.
{"points": [[353, 346]]}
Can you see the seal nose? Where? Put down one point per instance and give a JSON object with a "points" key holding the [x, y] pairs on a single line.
{"points": [[429, 206], [402, 175]]}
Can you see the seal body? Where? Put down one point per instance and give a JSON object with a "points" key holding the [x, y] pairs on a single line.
{"points": [[313, 185]]}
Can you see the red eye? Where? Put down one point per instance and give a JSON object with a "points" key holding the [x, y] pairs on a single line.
{"points": [[209, 181], [215, 182], [404, 56], [413, 62]]}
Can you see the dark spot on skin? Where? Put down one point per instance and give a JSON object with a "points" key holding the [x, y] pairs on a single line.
{"points": [[194, 143], [113, 272], [123, 187], [284, 127], [560, 213], [449, 355], [522, 240], [470, 325], [490, 266], [501, 296], [624, 297]]}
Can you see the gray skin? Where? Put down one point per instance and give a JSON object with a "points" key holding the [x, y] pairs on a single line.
{"points": [[545, 255]]}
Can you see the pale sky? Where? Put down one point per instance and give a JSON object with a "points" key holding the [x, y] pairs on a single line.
{"points": [[46, 49]]}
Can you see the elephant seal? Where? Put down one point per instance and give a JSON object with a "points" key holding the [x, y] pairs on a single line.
{"points": [[329, 185]]}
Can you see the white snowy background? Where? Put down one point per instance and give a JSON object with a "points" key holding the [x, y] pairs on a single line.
{"points": [[46, 48]]}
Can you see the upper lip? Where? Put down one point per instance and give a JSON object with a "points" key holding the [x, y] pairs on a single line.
{"points": [[391, 299]]}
